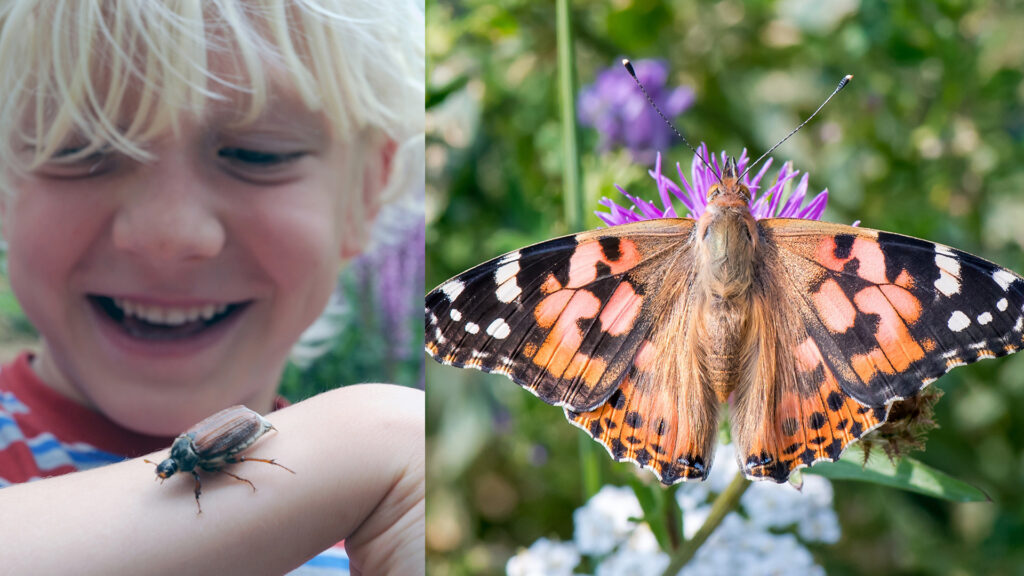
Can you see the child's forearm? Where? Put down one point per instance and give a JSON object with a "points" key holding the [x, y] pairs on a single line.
{"points": [[358, 454]]}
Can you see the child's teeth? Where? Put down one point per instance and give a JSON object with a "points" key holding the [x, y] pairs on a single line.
{"points": [[151, 314], [174, 317], [169, 316]]}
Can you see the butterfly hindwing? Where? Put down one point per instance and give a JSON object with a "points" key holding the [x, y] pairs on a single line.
{"points": [[664, 415], [563, 318], [862, 319]]}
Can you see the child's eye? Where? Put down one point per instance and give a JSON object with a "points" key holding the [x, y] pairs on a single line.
{"points": [[258, 158], [260, 166], [66, 163]]}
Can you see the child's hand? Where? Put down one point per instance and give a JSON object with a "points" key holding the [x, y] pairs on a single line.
{"points": [[358, 454]]}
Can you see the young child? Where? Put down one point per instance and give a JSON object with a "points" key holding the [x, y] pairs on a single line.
{"points": [[181, 182]]}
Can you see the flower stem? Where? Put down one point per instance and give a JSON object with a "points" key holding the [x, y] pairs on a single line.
{"points": [[726, 502], [572, 174]]}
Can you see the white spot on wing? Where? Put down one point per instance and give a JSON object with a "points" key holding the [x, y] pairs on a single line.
{"points": [[947, 284], [984, 318], [951, 354], [499, 329], [1002, 305], [505, 278], [1019, 325], [958, 321], [452, 289], [949, 271], [1004, 278], [439, 336], [472, 328], [508, 292], [455, 314], [948, 263], [510, 257], [504, 273], [978, 345]]}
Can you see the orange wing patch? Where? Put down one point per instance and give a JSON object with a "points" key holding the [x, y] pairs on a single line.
{"points": [[652, 425], [807, 428]]}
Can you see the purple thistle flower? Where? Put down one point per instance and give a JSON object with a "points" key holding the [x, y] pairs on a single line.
{"points": [[621, 114], [767, 204]]}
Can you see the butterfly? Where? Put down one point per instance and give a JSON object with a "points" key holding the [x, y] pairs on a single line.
{"points": [[810, 331]]}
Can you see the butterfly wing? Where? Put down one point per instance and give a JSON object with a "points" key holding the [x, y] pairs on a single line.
{"points": [[593, 323], [664, 414], [860, 319]]}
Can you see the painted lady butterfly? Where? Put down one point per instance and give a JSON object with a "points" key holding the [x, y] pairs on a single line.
{"points": [[809, 330]]}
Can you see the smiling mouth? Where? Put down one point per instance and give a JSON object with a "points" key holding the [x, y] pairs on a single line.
{"points": [[161, 324]]}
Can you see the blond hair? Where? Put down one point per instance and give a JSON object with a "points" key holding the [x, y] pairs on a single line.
{"points": [[68, 68]]}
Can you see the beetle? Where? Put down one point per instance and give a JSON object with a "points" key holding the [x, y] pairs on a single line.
{"points": [[215, 442]]}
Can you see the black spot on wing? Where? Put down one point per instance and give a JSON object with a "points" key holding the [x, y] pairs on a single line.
{"points": [[633, 419], [816, 420], [610, 247], [835, 401], [844, 244]]}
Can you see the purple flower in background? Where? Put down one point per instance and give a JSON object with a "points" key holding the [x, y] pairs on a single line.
{"points": [[394, 273], [621, 114], [766, 204]]}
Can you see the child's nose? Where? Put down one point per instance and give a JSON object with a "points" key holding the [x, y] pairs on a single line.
{"points": [[169, 223]]}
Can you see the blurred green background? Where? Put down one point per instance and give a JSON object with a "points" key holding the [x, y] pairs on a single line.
{"points": [[928, 141]]}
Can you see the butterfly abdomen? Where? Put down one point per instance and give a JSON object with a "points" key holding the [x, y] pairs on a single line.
{"points": [[726, 244]]}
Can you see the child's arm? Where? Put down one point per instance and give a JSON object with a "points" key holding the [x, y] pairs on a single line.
{"points": [[358, 454]]}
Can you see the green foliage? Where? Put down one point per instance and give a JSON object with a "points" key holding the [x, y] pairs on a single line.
{"points": [[928, 141], [904, 473]]}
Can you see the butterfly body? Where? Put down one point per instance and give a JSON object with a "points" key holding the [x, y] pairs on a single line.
{"points": [[809, 331]]}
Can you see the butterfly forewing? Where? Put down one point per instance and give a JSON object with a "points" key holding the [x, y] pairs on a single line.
{"points": [[564, 318], [897, 312]]}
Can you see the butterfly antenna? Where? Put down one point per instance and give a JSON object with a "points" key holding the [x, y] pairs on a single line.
{"points": [[629, 68], [842, 84]]}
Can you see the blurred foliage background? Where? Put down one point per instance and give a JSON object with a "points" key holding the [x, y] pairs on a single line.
{"points": [[928, 141]]}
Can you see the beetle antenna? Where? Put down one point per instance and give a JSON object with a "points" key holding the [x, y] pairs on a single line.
{"points": [[842, 84], [629, 68]]}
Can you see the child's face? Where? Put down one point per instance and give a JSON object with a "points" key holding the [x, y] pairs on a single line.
{"points": [[170, 289]]}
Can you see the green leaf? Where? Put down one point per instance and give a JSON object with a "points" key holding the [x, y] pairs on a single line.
{"points": [[906, 474], [437, 95], [660, 512]]}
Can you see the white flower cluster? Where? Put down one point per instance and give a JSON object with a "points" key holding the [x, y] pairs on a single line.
{"points": [[759, 542]]}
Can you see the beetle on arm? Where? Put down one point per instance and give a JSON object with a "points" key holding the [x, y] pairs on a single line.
{"points": [[358, 455], [214, 442]]}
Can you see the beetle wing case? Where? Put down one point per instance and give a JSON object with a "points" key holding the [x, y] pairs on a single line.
{"points": [[227, 433]]}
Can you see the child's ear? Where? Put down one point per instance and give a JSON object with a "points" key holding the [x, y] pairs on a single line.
{"points": [[376, 177]]}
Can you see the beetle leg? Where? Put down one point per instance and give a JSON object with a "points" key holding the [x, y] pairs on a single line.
{"points": [[199, 490], [251, 485], [236, 459]]}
